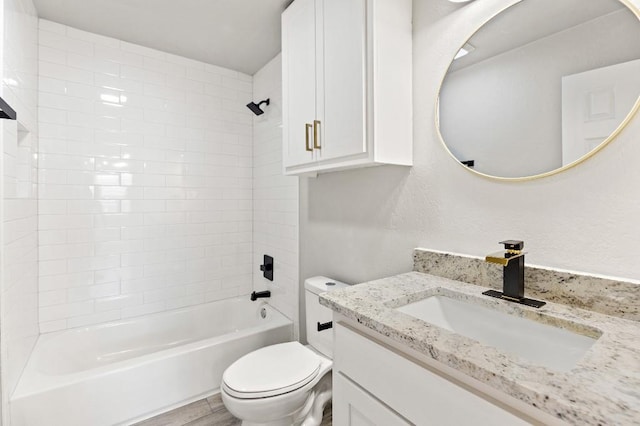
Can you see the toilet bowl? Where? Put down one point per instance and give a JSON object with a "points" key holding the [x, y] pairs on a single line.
{"points": [[261, 389], [288, 383]]}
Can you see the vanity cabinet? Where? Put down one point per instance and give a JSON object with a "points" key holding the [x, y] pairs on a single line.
{"points": [[357, 407], [374, 384], [346, 84]]}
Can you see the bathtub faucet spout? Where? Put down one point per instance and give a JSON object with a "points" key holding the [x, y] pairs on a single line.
{"points": [[260, 294]]}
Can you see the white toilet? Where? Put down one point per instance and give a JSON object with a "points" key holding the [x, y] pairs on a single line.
{"points": [[289, 383]]}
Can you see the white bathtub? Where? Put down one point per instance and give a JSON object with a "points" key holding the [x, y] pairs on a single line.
{"points": [[132, 369]]}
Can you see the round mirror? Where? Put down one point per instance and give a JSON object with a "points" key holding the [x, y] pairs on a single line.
{"points": [[541, 86]]}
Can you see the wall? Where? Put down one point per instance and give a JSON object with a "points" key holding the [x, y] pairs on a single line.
{"points": [[511, 138], [363, 224], [275, 197], [19, 251], [145, 180]]}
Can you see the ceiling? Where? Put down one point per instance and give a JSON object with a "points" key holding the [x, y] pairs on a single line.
{"points": [[242, 35]]}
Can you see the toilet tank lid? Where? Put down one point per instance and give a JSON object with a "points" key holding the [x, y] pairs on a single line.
{"points": [[321, 284]]}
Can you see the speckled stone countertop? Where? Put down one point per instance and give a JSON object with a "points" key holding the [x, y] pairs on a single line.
{"points": [[607, 296], [602, 389]]}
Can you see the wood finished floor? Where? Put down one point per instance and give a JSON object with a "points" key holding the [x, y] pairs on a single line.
{"points": [[206, 412]]}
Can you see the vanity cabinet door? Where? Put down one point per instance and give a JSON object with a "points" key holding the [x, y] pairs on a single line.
{"points": [[353, 406], [299, 81], [422, 396]]}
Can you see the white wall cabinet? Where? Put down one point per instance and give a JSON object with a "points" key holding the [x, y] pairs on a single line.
{"points": [[346, 84], [376, 385]]}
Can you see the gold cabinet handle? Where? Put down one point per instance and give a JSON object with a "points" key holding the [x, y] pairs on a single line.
{"points": [[316, 125], [307, 127]]}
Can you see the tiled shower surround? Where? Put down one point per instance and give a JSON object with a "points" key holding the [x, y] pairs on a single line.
{"points": [[18, 212], [145, 173], [275, 198]]}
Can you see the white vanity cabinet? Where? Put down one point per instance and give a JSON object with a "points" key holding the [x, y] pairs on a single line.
{"points": [[374, 384], [354, 406], [346, 84]]}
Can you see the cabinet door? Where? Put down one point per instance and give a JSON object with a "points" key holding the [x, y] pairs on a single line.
{"points": [[299, 80], [353, 406], [418, 394], [342, 79]]}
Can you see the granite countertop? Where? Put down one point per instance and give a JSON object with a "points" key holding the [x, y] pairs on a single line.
{"points": [[602, 389]]}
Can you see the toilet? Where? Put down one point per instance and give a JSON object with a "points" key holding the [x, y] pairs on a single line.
{"points": [[288, 383]]}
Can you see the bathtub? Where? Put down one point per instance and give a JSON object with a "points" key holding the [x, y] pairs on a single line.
{"points": [[129, 370]]}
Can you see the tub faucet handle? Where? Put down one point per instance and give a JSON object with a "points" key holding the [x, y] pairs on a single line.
{"points": [[267, 267]]}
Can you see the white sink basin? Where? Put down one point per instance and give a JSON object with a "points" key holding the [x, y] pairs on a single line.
{"points": [[538, 343]]}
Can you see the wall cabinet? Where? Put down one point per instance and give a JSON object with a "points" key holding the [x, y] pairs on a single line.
{"points": [[346, 84], [376, 385]]}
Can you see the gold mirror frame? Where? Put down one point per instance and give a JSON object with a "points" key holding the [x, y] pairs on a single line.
{"points": [[601, 146]]}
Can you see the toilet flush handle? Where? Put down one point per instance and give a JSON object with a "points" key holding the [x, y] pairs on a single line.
{"points": [[325, 326]]}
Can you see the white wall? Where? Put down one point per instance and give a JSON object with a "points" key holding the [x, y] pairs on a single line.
{"points": [[19, 261], [363, 224], [506, 112], [145, 180], [275, 197]]}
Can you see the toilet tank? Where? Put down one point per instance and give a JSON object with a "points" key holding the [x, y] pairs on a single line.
{"points": [[322, 341]]}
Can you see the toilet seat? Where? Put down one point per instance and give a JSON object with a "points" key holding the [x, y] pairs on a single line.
{"points": [[271, 371]]}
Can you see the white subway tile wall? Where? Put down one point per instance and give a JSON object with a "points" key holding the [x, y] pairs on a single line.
{"points": [[275, 197], [145, 174], [19, 245]]}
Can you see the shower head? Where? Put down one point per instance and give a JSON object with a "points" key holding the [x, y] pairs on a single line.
{"points": [[255, 107]]}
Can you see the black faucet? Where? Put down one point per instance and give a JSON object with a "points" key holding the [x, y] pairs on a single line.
{"points": [[259, 295], [512, 260]]}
